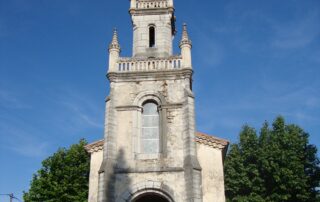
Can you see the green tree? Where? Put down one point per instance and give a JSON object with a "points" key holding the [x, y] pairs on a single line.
{"points": [[243, 181], [279, 165], [64, 176]]}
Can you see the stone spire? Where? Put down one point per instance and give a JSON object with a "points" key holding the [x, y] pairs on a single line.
{"points": [[185, 46], [114, 45], [185, 37], [114, 52]]}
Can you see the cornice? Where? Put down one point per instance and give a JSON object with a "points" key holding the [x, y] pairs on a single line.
{"points": [[149, 75], [129, 108], [151, 11], [200, 138], [139, 108]]}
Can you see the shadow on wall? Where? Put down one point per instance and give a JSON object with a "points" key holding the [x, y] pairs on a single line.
{"points": [[120, 189], [118, 174]]}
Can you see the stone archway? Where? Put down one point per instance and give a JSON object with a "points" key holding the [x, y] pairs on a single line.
{"points": [[150, 197], [151, 191]]}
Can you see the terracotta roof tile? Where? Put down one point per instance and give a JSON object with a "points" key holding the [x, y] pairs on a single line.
{"points": [[95, 146], [210, 140]]}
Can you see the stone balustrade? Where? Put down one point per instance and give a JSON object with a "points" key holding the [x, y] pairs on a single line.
{"points": [[133, 64], [154, 4]]}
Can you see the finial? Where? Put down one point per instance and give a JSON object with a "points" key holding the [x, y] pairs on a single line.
{"points": [[185, 37], [114, 43], [185, 32]]}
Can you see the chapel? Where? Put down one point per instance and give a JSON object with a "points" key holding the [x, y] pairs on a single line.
{"points": [[151, 150]]}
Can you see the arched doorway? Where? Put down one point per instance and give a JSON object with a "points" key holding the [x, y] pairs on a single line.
{"points": [[150, 197]]}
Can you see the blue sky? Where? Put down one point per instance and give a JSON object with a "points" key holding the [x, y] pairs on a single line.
{"points": [[253, 60]]}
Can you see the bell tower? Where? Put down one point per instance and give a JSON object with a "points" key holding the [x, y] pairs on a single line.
{"points": [[149, 146], [153, 24]]}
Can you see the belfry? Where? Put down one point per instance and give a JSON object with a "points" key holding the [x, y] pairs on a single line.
{"points": [[151, 150]]}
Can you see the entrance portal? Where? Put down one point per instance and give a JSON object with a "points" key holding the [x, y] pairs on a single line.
{"points": [[151, 197]]}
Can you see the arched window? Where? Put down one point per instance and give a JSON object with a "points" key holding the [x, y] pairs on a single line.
{"points": [[152, 36], [150, 128]]}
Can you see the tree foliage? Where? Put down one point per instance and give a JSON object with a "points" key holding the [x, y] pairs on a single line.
{"points": [[278, 165], [64, 176]]}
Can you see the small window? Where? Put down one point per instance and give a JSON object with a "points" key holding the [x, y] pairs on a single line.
{"points": [[152, 37], [150, 129]]}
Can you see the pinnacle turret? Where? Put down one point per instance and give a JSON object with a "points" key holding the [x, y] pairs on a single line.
{"points": [[114, 43], [114, 51], [185, 37], [185, 45]]}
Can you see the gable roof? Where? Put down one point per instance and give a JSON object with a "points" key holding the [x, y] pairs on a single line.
{"points": [[95, 146], [200, 138], [211, 141]]}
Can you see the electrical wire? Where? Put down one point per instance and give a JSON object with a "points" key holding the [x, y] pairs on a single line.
{"points": [[11, 196]]}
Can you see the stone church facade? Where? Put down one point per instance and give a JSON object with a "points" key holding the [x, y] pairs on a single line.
{"points": [[151, 150]]}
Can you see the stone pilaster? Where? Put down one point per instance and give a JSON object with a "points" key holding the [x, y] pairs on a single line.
{"points": [[191, 164], [107, 176]]}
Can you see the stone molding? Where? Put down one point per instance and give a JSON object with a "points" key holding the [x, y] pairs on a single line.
{"points": [[152, 11], [144, 187], [137, 103], [172, 106], [150, 170], [200, 138], [129, 108], [139, 59], [146, 95], [149, 75]]}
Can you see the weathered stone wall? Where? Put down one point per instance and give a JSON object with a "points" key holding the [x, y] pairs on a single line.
{"points": [[133, 183], [163, 35], [210, 160], [129, 98], [211, 163], [177, 155], [95, 164]]}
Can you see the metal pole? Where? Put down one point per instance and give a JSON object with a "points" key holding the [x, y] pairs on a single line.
{"points": [[11, 197]]}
